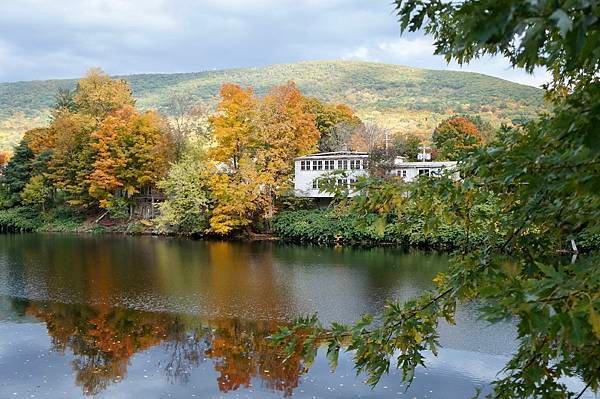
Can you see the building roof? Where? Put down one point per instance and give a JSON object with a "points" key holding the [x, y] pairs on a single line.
{"points": [[426, 164], [335, 154]]}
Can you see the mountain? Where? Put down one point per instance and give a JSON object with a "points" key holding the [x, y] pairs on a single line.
{"points": [[404, 99]]}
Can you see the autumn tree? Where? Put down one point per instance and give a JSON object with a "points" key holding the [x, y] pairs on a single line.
{"points": [[335, 122], [188, 120], [368, 137], [72, 157], [40, 140], [255, 144], [131, 151], [456, 137], [286, 129], [232, 126], [97, 94], [4, 157]]}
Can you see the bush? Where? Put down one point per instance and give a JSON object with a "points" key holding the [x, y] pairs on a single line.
{"points": [[19, 219], [336, 226], [62, 219]]}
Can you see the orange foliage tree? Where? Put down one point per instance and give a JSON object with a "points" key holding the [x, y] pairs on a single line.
{"points": [[456, 137], [132, 151], [4, 157]]}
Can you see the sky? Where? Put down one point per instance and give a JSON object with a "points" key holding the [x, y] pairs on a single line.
{"points": [[51, 39]]}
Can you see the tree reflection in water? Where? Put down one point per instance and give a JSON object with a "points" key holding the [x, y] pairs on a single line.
{"points": [[103, 339]]}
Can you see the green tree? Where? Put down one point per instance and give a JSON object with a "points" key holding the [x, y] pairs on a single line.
{"points": [[187, 207], [545, 178], [64, 101], [335, 122], [407, 146], [16, 174], [37, 192]]}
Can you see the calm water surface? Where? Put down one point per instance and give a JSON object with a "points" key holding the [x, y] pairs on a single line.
{"points": [[124, 317]]}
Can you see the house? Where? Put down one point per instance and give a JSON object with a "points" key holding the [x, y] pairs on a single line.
{"points": [[311, 170]]}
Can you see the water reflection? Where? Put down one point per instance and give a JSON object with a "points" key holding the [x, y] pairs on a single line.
{"points": [[103, 339], [147, 317], [212, 279]]}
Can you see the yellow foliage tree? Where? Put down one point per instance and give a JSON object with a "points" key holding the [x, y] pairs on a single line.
{"points": [[233, 126], [98, 94], [252, 157], [72, 156]]}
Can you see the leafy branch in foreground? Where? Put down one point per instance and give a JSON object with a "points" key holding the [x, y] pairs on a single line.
{"points": [[544, 181]]}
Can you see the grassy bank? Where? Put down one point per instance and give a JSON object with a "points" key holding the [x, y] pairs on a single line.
{"points": [[336, 227], [330, 226], [316, 226], [64, 220]]}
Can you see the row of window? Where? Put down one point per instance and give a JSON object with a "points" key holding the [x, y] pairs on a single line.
{"points": [[339, 182], [422, 172], [343, 164]]}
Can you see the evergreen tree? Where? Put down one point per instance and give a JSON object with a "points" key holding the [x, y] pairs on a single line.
{"points": [[16, 174]]}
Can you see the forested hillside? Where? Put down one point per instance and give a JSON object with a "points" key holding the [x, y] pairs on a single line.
{"points": [[404, 99]]}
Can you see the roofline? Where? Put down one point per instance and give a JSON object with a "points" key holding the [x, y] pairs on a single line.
{"points": [[425, 164], [334, 154]]}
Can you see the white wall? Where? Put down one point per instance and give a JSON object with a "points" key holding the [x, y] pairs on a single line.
{"points": [[303, 181]]}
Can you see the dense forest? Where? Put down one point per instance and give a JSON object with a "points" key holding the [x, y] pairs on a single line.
{"points": [[407, 100]]}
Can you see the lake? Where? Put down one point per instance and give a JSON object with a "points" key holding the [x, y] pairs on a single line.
{"points": [[147, 317]]}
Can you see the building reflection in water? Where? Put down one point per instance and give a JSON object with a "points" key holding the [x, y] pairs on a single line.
{"points": [[102, 340]]}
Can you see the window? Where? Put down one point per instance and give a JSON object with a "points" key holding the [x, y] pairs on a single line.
{"points": [[315, 184], [304, 165], [423, 172], [345, 164], [342, 182], [402, 173], [314, 165], [358, 164], [329, 165], [340, 164], [319, 165], [352, 167]]}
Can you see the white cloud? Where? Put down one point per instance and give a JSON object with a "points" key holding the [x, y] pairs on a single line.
{"points": [[402, 48], [359, 53], [62, 38]]}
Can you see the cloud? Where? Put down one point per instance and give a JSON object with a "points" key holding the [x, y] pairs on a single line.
{"points": [[62, 38]]}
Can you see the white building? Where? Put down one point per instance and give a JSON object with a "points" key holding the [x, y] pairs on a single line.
{"points": [[311, 168], [409, 171]]}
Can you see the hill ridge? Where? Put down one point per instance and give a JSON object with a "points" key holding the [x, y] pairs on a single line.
{"points": [[403, 98]]}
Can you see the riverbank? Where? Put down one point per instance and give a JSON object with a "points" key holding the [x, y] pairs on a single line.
{"points": [[315, 226]]}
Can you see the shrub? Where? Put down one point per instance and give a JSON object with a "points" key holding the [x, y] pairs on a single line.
{"points": [[19, 219]]}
